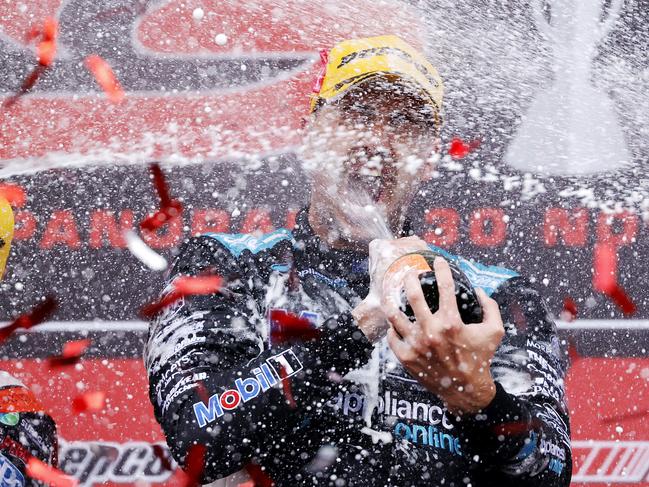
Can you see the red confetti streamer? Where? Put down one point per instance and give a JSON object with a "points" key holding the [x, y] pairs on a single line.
{"points": [[46, 48], [184, 286], [160, 184], [161, 454], [152, 309], [569, 312], [460, 149], [75, 348], [36, 316], [50, 29], [605, 277], [605, 268], [161, 217], [198, 284], [258, 476], [324, 60], [194, 465], [286, 387], [287, 327], [27, 85], [168, 208], [573, 354], [72, 353], [622, 299], [14, 194], [49, 475], [89, 402], [45, 54], [104, 75]]}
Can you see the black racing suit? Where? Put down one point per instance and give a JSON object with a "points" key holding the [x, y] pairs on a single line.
{"points": [[334, 410]]}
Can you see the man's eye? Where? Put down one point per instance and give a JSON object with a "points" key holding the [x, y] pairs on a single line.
{"points": [[2, 243]]}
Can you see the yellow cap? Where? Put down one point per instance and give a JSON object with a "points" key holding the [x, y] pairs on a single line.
{"points": [[6, 232], [353, 61]]}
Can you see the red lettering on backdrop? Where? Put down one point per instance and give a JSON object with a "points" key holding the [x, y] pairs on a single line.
{"points": [[608, 223], [445, 222], [14, 194], [257, 220], [169, 235], [61, 229], [210, 220], [103, 224], [572, 226], [25, 225], [484, 219]]}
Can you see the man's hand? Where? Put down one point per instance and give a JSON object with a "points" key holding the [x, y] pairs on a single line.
{"points": [[449, 358], [369, 314]]}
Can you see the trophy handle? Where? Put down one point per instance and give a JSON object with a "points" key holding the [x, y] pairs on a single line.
{"points": [[613, 14], [539, 18]]}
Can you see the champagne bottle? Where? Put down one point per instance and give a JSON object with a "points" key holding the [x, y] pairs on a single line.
{"points": [[467, 299]]}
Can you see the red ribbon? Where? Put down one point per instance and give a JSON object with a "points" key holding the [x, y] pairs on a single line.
{"points": [[34, 317], [89, 402], [460, 149], [45, 54], [168, 208], [287, 327], [605, 277], [105, 77], [184, 286], [72, 353]]}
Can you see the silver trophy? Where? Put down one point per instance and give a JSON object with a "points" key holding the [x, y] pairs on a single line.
{"points": [[571, 128]]}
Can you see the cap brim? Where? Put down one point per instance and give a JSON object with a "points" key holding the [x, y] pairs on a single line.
{"points": [[403, 79]]}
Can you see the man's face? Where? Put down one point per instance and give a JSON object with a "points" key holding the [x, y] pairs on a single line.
{"points": [[367, 153]]}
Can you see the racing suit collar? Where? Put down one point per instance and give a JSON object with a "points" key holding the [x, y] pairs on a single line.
{"points": [[312, 252]]}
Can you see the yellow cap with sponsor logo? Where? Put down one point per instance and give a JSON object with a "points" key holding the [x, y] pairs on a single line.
{"points": [[353, 61], [6, 232]]}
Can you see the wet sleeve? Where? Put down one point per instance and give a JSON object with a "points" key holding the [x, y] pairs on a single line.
{"points": [[524, 433], [215, 382]]}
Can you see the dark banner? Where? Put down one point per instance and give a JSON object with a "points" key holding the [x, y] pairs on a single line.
{"points": [[70, 230]]}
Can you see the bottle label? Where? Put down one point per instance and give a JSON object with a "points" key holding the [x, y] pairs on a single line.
{"points": [[396, 273]]}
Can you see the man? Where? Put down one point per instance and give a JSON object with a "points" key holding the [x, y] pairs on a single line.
{"points": [[340, 407], [26, 430]]}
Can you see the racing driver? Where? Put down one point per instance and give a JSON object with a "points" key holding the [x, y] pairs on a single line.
{"points": [[363, 395]]}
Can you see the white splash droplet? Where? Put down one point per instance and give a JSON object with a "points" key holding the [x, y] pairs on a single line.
{"points": [[143, 252], [198, 14], [221, 39]]}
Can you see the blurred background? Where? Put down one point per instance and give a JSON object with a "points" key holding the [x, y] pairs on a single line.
{"points": [[543, 162]]}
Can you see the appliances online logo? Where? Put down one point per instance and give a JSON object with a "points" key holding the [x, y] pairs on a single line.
{"points": [[264, 377]]}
